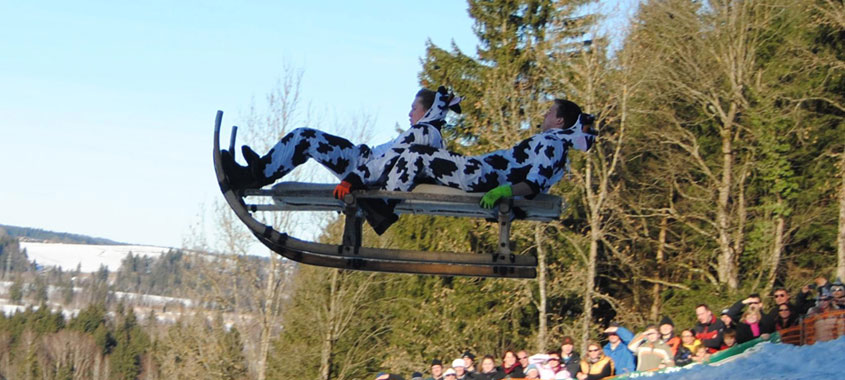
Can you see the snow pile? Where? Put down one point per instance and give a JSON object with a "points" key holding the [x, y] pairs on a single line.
{"points": [[88, 256], [766, 361]]}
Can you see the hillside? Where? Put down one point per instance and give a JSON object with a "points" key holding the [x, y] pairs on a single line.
{"points": [[37, 234]]}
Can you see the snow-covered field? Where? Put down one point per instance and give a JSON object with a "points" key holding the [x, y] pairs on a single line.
{"points": [[821, 361], [89, 257]]}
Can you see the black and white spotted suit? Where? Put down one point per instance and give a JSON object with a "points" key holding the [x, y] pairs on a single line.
{"points": [[540, 161], [348, 161]]}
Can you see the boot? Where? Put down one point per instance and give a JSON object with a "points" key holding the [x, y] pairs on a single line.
{"points": [[256, 164], [240, 177]]}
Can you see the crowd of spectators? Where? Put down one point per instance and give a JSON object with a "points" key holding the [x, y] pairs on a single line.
{"points": [[655, 347]]}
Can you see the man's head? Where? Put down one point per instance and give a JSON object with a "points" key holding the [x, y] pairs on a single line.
{"points": [[436, 367], [666, 327], [754, 301], [522, 357], [567, 344], [837, 290], [422, 102], [562, 114], [450, 374], [651, 333], [703, 313], [612, 337], [469, 358], [781, 296], [459, 366]]}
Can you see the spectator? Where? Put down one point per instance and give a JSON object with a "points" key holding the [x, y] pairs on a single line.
{"points": [[416, 376], [701, 355], [522, 356], [532, 372], [558, 370], [728, 339], [436, 370], [688, 345], [837, 290], [596, 365], [540, 361], [708, 329], [749, 325], [450, 374], [689, 340], [651, 352], [489, 371], [568, 357], [804, 301], [781, 296], [667, 335], [823, 303], [785, 318], [511, 367], [469, 360], [460, 370], [725, 317], [616, 348]]}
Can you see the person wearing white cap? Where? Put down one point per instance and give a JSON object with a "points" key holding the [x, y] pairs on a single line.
{"points": [[459, 365], [450, 374]]}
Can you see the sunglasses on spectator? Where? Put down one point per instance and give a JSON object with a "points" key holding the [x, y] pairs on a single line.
{"points": [[593, 350], [780, 295], [754, 303], [523, 358], [837, 289]]}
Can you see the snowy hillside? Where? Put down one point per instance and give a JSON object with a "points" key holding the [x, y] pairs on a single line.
{"points": [[767, 361], [89, 257]]}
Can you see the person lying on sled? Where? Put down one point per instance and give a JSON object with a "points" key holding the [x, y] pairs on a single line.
{"points": [[527, 169], [339, 155]]}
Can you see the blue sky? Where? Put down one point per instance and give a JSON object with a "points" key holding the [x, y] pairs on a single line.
{"points": [[107, 107]]}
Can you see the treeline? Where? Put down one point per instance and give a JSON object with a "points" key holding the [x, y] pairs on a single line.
{"points": [[718, 172], [38, 344], [54, 237]]}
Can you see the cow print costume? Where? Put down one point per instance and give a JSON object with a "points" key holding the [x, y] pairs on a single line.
{"points": [[345, 160], [540, 161]]}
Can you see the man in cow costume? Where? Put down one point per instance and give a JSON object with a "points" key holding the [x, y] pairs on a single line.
{"points": [[345, 160], [528, 168]]}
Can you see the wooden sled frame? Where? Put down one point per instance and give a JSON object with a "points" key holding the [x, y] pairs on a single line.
{"points": [[351, 254]]}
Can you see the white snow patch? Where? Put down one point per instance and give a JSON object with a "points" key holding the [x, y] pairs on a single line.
{"points": [[823, 360], [88, 256]]}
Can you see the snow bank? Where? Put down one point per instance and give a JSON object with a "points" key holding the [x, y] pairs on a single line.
{"points": [[88, 256], [767, 361]]}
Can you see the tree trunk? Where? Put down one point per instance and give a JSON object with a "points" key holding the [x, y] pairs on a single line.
{"points": [[840, 249], [329, 335], [541, 283], [777, 251], [590, 279], [656, 303], [268, 319], [726, 268]]}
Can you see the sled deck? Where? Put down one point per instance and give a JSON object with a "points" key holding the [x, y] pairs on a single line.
{"points": [[350, 254]]}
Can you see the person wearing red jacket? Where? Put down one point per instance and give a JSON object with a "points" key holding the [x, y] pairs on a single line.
{"points": [[709, 329]]}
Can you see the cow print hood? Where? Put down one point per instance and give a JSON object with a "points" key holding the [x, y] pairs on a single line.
{"points": [[443, 102]]}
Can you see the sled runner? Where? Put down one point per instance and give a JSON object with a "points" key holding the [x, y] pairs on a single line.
{"points": [[350, 254]]}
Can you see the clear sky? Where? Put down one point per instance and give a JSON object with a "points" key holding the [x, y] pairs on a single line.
{"points": [[107, 107]]}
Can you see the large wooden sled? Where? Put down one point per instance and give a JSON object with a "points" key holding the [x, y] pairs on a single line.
{"points": [[350, 254]]}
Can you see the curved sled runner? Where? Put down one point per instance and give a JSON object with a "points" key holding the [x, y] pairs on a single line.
{"points": [[426, 199]]}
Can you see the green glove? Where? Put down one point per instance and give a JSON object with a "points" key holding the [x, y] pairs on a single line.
{"points": [[491, 197]]}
